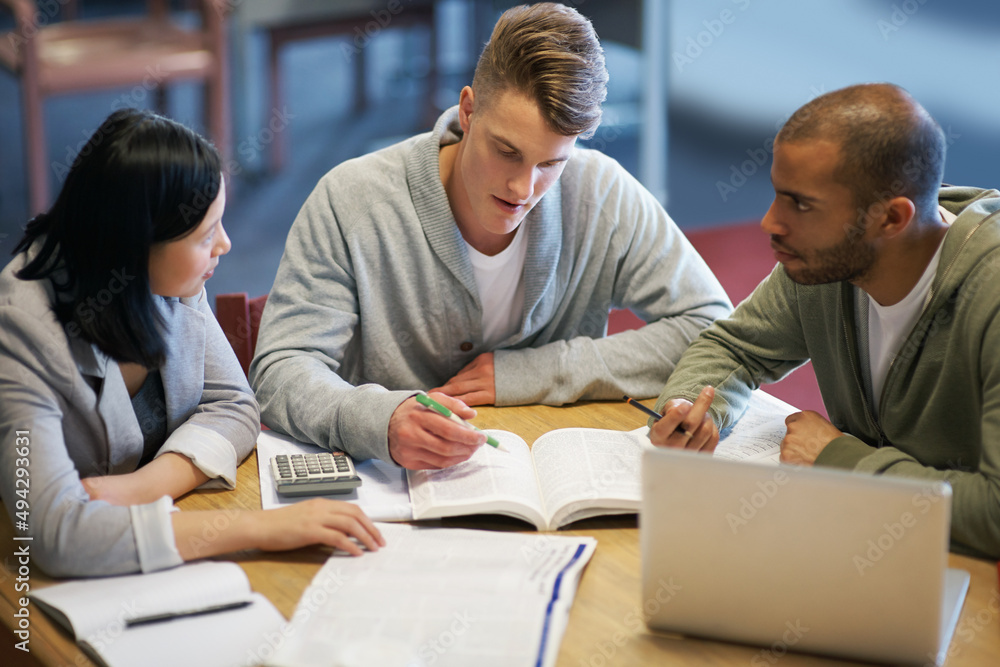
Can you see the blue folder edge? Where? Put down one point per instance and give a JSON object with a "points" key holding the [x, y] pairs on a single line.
{"points": [[552, 603]]}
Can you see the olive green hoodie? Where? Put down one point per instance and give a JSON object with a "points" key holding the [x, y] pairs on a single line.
{"points": [[940, 402]]}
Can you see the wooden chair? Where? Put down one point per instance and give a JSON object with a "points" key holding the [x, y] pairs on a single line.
{"points": [[358, 21], [239, 317], [151, 51]]}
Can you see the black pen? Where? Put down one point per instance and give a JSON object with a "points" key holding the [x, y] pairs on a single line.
{"points": [[655, 415], [636, 404], [171, 615]]}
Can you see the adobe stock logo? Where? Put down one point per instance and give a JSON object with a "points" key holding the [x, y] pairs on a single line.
{"points": [[381, 19], [89, 309], [695, 46], [894, 532], [756, 502], [900, 14], [790, 637]]}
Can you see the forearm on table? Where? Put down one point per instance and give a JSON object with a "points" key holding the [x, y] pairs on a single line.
{"points": [[735, 355], [211, 533], [169, 474], [308, 401], [635, 362], [707, 363]]}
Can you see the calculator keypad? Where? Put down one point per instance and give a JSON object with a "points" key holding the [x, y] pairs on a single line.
{"points": [[317, 473]]}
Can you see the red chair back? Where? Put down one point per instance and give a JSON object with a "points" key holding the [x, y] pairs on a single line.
{"points": [[239, 317]]}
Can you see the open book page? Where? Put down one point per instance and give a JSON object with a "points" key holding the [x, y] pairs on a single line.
{"points": [[93, 606], [382, 494], [446, 597], [757, 435], [490, 482], [588, 472]]}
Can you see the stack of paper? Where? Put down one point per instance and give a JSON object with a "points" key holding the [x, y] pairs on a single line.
{"points": [[439, 596]]}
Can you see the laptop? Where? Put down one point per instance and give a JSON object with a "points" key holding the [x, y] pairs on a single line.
{"points": [[798, 559]]}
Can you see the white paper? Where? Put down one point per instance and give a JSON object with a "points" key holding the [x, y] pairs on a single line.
{"points": [[232, 638], [383, 493], [757, 436], [440, 596]]}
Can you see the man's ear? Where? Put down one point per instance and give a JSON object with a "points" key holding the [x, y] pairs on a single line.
{"points": [[897, 214], [465, 107]]}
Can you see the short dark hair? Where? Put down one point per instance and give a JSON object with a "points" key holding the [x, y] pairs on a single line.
{"points": [[140, 179], [889, 145], [550, 53]]}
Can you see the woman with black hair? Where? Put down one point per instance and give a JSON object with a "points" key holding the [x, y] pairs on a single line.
{"points": [[118, 389]]}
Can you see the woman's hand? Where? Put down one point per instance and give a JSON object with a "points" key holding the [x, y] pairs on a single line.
{"points": [[317, 521], [332, 523]]}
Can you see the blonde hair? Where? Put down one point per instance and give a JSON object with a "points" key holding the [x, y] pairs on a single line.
{"points": [[550, 53]]}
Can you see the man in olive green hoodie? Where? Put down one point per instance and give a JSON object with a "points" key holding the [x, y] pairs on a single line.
{"points": [[888, 282]]}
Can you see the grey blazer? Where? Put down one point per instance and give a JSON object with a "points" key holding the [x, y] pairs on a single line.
{"points": [[65, 414]]}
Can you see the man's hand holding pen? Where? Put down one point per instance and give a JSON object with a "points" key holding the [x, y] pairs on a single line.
{"points": [[687, 425], [423, 439]]}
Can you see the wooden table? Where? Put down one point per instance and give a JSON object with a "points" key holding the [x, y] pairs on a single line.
{"points": [[603, 627]]}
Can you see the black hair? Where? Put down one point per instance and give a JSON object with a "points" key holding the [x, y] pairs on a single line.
{"points": [[890, 145], [140, 179]]}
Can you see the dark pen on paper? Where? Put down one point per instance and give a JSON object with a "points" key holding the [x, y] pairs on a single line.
{"points": [[169, 616]]}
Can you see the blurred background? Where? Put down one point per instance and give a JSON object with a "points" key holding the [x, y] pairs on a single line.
{"points": [[697, 92]]}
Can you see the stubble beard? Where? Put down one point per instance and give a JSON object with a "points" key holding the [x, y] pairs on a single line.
{"points": [[849, 260]]}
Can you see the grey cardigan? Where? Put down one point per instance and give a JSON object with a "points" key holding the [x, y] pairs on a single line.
{"points": [[375, 296], [70, 401]]}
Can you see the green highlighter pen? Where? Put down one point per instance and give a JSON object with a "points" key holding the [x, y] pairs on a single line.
{"points": [[428, 402]]}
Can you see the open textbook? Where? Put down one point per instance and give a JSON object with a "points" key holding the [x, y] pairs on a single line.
{"points": [[202, 614], [574, 473]]}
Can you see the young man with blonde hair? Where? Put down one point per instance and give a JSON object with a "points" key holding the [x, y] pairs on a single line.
{"points": [[886, 280], [478, 260]]}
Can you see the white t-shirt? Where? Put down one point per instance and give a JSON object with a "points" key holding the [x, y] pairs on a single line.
{"points": [[501, 288], [888, 326]]}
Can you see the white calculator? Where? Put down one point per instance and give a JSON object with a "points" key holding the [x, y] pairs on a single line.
{"points": [[314, 474]]}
